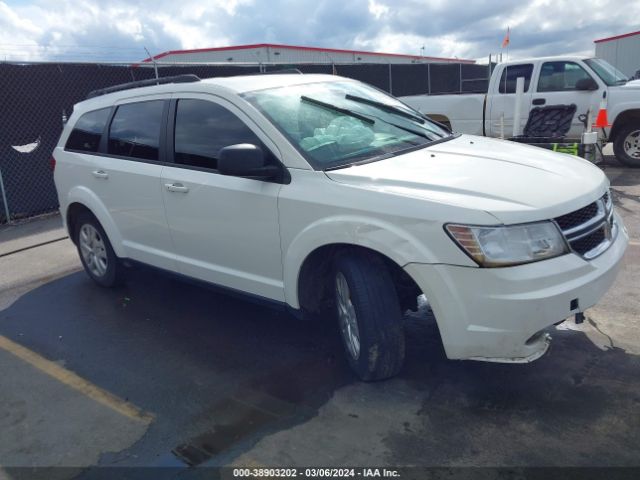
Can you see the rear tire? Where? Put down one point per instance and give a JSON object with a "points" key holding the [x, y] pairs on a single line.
{"points": [[626, 146], [369, 316], [96, 254]]}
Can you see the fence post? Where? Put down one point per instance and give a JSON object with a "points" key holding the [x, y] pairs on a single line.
{"points": [[428, 78], [390, 80], [4, 198], [460, 70], [517, 110]]}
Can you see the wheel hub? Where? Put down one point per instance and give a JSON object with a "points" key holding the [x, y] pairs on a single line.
{"points": [[347, 316], [93, 250], [632, 144]]}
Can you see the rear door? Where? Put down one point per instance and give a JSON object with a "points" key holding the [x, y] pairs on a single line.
{"points": [[125, 175], [224, 228], [557, 86], [503, 100]]}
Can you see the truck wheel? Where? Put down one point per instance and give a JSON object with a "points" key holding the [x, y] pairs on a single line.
{"points": [[96, 254], [627, 145], [369, 316]]}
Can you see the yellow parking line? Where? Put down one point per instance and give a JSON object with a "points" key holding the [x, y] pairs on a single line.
{"points": [[74, 381]]}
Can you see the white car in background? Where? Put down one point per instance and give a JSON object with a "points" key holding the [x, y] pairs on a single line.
{"points": [[329, 197], [548, 81]]}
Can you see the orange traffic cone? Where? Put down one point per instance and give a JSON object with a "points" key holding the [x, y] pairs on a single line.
{"points": [[601, 120]]}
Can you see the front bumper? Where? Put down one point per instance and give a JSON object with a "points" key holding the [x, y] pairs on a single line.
{"points": [[494, 314]]}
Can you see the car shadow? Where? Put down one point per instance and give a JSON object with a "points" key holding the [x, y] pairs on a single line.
{"points": [[220, 373]]}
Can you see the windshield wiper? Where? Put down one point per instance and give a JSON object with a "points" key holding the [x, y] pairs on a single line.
{"points": [[335, 108], [409, 130], [402, 113], [386, 107]]}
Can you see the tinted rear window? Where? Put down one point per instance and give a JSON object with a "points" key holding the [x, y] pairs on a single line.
{"points": [[135, 130], [86, 133], [510, 75]]}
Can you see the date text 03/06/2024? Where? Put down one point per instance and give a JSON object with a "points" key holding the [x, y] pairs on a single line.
{"points": [[315, 473]]}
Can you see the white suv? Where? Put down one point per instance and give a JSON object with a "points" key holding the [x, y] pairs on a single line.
{"points": [[316, 191]]}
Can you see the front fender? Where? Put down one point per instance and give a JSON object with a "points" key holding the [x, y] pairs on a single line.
{"points": [[620, 114], [621, 108], [382, 237], [86, 197]]}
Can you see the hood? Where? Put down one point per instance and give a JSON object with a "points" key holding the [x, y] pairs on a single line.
{"points": [[513, 182], [631, 84]]}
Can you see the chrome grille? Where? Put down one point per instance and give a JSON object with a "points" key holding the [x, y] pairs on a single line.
{"points": [[590, 230]]}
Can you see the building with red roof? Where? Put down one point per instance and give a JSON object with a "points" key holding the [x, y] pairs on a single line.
{"points": [[269, 53], [621, 51]]}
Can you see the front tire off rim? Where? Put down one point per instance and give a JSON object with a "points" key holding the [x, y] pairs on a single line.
{"points": [[347, 316], [632, 144], [93, 250]]}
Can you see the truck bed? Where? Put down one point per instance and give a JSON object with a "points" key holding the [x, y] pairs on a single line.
{"points": [[463, 111]]}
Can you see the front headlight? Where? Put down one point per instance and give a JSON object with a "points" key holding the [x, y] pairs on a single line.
{"points": [[509, 245]]}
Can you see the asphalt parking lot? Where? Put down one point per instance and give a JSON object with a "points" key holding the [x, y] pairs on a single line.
{"points": [[164, 373]]}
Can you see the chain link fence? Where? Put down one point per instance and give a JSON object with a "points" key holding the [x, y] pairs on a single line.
{"points": [[37, 98]]}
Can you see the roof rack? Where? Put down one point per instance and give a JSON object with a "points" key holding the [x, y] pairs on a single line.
{"points": [[188, 78]]}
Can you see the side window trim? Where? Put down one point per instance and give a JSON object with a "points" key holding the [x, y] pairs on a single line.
{"points": [[505, 74], [169, 133], [104, 139], [163, 154]]}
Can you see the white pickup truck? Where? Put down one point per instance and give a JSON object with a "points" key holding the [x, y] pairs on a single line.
{"points": [[547, 81]]}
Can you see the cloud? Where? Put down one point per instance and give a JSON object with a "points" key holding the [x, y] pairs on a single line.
{"points": [[119, 30]]}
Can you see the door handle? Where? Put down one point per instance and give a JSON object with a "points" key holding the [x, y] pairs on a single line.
{"points": [[176, 187], [100, 174], [539, 101]]}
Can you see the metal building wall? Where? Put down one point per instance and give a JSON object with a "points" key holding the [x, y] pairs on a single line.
{"points": [[292, 56], [622, 53], [249, 55]]}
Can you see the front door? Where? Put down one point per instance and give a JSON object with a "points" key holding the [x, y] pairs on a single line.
{"points": [[557, 86], [224, 228]]}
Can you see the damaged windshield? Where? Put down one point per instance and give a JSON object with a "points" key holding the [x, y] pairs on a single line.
{"points": [[337, 124]]}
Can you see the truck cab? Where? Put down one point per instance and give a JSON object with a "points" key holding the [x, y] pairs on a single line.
{"points": [[562, 80], [547, 81]]}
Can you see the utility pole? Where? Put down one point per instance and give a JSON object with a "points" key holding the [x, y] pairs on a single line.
{"points": [[155, 66]]}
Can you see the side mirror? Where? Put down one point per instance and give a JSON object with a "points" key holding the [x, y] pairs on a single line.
{"points": [[586, 84], [245, 160]]}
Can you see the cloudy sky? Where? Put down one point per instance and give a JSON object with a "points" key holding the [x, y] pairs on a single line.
{"points": [[118, 30]]}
